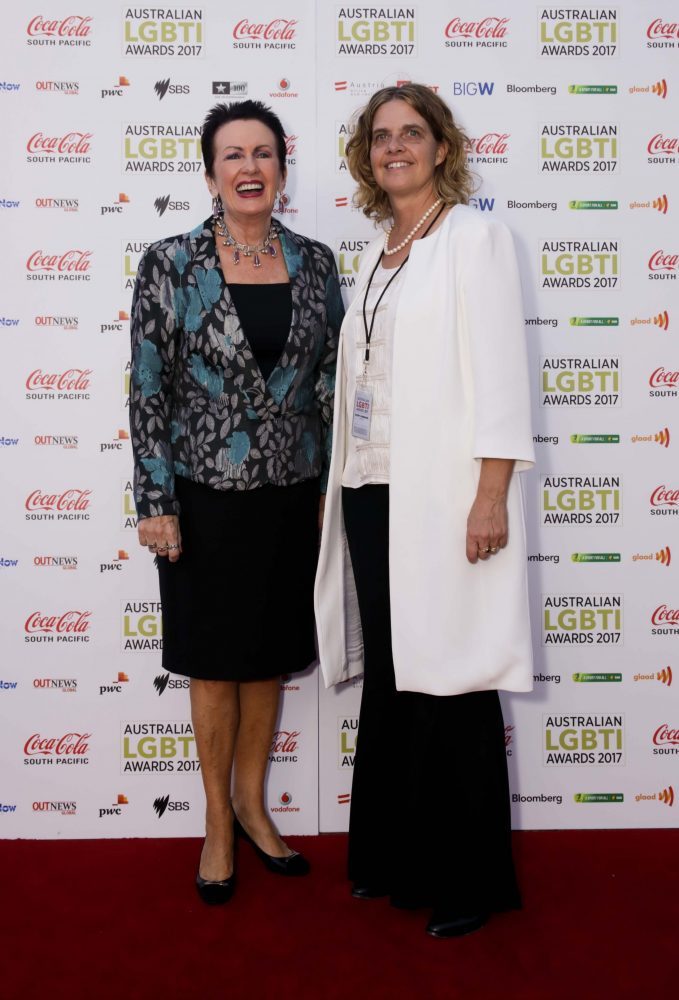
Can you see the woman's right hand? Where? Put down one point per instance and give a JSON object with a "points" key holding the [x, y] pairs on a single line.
{"points": [[161, 535]]}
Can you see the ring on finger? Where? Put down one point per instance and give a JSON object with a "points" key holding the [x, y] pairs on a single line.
{"points": [[171, 548], [487, 549], [494, 550]]}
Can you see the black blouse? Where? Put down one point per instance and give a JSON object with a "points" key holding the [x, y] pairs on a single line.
{"points": [[265, 313]]}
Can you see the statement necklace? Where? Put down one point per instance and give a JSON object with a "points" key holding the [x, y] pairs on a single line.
{"points": [[406, 241], [245, 248]]}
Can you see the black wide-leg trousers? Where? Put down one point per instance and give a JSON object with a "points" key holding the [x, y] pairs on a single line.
{"points": [[430, 818]]}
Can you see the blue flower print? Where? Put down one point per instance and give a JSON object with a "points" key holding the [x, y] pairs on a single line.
{"points": [[280, 381], [209, 285], [181, 259], [182, 470], [206, 376], [147, 368], [159, 471], [293, 261], [239, 447], [194, 310]]}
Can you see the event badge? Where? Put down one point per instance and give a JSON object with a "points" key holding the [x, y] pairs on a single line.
{"points": [[363, 408]]}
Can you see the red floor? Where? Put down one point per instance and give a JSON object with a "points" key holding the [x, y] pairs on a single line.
{"points": [[121, 918]]}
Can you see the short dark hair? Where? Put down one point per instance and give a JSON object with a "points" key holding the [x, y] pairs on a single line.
{"points": [[222, 114]]}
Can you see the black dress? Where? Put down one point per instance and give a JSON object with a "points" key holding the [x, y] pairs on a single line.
{"points": [[238, 603]]}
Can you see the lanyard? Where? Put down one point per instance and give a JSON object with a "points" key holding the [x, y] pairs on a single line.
{"points": [[369, 329]]}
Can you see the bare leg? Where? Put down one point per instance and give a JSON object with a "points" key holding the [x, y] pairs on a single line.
{"points": [[215, 712], [258, 713]]}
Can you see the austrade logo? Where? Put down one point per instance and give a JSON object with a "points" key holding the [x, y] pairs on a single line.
{"points": [[230, 88], [69, 147], [490, 148], [574, 740], [142, 626], [587, 499], [348, 255], [152, 31], [663, 557], [578, 32], [161, 148], [579, 148], [69, 626], [664, 501], [580, 381], [118, 90], [164, 203], [577, 619], [69, 749], [55, 562], [69, 88], [487, 33], [665, 741], [71, 505], [167, 747], [663, 676], [663, 266], [129, 515], [665, 797], [166, 86], [73, 31], [72, 384], [70, 265], [163, 682], [344, 131], [579, 264], [66, 685], [164, 804], [64, 204], [285, 747], [347, 732], [116, 565], [57, 322], [132, 251], [662, 149], [662, 34], [665, 620], [285, 804], [663, 382], [116, 808], [376, 31], [61, 808], [279, 33], [67, 441], [115, 687]]}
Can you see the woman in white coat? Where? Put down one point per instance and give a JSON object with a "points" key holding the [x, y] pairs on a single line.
{"points": [[421, 582]]}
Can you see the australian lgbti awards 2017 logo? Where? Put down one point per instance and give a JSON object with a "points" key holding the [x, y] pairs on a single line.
{"points": [[129, 513], [581, 381], [343, 132], [348, 255], [72, 31], [154, 147], [153, 747], [582, 619], [586, 499], [132, 251], [376, 31], [153, 31], [579, 148], [574, 740], [593, 264], [142, 626], [578, 31], [347, 731], [485, 33]]}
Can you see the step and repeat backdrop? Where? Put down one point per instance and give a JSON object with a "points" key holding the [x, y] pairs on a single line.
{"points": [[571, 114]]}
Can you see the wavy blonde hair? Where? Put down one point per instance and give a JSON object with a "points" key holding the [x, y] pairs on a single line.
{"points": [[453, 180]]}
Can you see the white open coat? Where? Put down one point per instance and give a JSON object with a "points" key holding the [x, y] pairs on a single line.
{"points": [[459, 393]]}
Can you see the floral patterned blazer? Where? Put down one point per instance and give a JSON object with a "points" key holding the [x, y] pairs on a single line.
{"points": [[199, 406]]}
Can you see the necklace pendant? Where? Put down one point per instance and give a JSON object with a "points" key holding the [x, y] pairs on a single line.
{"points": [[272, 250], [236, 257], [256, 261]]}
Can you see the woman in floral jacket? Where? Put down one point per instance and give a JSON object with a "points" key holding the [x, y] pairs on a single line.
{"points": [[234, 339]]}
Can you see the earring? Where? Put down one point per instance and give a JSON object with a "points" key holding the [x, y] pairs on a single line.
{"points": [[217, 207]]}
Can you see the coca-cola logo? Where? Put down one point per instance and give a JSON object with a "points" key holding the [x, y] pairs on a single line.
{"points": [[492, 142], [285, 741], [71, 260], [71, 744], [661, 376], [73, 26], [662, 29], [665, 616], [70, 622], [73, 379], [487, 27], [280, 29], [290, 144], [509, 734], [664, 734], [68, 500], [70, 142], [664, 497], [661, 261], [662, 144]]}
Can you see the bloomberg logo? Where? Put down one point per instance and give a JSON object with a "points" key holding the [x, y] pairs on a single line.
{"points": [[473, 88]]}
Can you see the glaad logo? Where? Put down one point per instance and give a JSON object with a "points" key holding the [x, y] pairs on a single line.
{"points": [[162, 805], [663, 676], [662, 438], [666, 797], [659, 88]]}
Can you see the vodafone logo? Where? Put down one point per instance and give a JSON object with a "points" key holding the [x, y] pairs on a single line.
{"points": [[68, 27], [71, 143], [665, 736], [487, 27], [71, 260], [661, 261], [280, 29], [664, 497], [68, 500], [662, 29], [71, 380]]}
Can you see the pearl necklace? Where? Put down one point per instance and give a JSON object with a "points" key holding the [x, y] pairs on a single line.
{"points": [[244, 248], [406, 241]]}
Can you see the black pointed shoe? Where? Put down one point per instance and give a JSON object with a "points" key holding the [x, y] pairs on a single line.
{"points": [[293, 865], [215, 893], [444, 925]]}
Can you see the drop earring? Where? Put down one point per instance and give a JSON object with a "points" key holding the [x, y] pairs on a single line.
{"points": [[217, 207]]}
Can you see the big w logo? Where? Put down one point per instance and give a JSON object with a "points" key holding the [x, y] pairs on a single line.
{"points": [[483, 204]]}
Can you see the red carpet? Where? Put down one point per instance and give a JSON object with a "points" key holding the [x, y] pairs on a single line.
{"points": [[121, 918]]}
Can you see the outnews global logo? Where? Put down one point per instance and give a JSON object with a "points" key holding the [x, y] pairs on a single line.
{"points": [[582, 619], [176, 31], [584, 739], [376, 31], [578, 31]]}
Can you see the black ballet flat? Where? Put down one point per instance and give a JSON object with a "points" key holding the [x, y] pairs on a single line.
{"points": [[293, 865], [443, 925], [215, 893], [367, 891]]}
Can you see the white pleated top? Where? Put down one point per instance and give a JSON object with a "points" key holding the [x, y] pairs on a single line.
{"points": [[367, 462]]}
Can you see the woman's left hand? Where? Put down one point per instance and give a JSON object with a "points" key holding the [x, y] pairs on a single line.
{"points": [[487, 528]]}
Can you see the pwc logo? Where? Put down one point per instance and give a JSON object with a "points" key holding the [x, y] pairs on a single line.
{"points": [[116, 808], [115, 687], [116, 565], [117, 90]]}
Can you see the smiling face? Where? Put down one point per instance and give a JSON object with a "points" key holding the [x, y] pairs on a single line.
{"points": [[246, 172], [403, 152]]}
